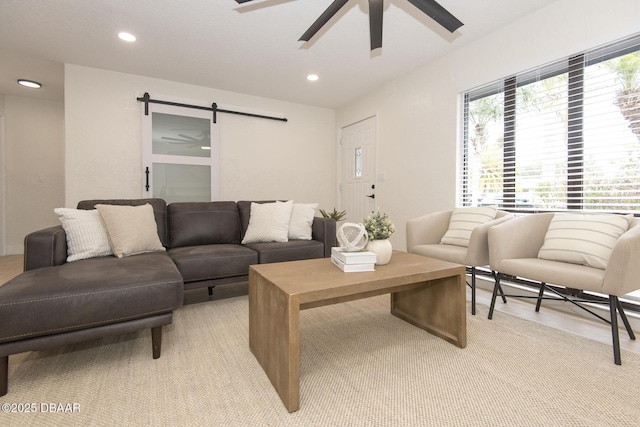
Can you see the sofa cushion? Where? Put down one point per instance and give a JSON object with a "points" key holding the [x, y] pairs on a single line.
{"points": [[202, 223], [132, 229], [85, 233], [159, 210], [293, 250], [462, 223], [586, 239], [301, 221], [88, 293], [268, 222], [206, 262]]}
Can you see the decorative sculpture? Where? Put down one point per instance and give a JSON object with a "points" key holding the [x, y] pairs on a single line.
{"points": [[352, 237]]}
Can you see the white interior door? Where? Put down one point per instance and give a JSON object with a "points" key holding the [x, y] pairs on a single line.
{"points": [[180, 154], [359, 169]]}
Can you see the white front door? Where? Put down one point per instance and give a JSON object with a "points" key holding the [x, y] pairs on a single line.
{"points": [[180, 154], [358, 142]]}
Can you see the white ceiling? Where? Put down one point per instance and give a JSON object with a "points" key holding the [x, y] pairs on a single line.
{"points": [[251, 48]]}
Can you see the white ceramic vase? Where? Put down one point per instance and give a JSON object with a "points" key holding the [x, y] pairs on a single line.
{"points": [[382, 249]]}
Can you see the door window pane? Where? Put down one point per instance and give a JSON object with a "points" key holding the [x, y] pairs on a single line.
{"points": [[181, 183], [357, 163], [180, 135]]}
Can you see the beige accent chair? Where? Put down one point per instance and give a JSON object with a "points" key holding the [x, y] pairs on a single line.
{"points": [[425, 233], [513, 251]]}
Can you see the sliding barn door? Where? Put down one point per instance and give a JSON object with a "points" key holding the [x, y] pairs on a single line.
{"points": [[180, 154]]}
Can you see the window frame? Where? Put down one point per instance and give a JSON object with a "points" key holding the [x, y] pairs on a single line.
{"points": [[574, 66]]}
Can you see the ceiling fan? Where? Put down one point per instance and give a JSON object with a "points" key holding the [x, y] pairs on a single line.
{"points": [[186, 139], [429, 7]]}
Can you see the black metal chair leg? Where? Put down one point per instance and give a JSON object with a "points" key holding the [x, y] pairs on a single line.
{"points": [[613, 305], [623, 316], [504, 299], [539, 302], [497, 277]]}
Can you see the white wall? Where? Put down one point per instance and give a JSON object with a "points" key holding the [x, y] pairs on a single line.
{"points": [[260, 159], [418, 121], [34, 167]]}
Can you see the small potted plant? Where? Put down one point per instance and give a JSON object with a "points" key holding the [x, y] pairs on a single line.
{"points": [[379, 228], [335, 215]]}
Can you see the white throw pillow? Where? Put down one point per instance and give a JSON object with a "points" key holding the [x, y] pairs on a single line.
{"points": [[85, 233], [301, 221], [582, 238], [268, 222], [462, 223], [132, 229]]}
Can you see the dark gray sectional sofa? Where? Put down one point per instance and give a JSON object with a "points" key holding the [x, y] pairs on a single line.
{"points": [[54, 302]]}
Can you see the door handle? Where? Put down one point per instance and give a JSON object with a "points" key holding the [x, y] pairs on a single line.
{"points": [[373, 196]]}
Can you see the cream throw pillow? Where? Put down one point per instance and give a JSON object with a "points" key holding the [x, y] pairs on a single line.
{"points": [[462, 223], [301, 221], [85, 233], [582, 238], [131, 229], [268, 222]]}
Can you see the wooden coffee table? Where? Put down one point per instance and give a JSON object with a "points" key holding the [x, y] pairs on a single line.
{"points": [[425, 292]]}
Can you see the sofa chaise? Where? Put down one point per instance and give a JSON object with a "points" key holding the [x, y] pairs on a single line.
{"points": [[55, 302]]}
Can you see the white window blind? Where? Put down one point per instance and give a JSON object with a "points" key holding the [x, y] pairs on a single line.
{"points": [[562, 136]]}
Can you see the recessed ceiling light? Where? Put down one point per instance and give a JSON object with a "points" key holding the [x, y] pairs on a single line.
{"points": [[312, 77], [29, 83], [128, 37]]}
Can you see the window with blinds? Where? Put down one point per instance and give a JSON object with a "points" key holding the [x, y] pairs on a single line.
{"points": [[563, 136]]}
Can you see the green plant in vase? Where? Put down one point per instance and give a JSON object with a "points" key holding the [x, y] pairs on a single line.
{"points": [[379, 228]]}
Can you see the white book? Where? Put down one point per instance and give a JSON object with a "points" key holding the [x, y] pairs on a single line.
{"points": [[350, 268], [359, 257]]}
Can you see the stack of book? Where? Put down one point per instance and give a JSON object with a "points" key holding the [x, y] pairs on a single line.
{"points": [[353, 261]]}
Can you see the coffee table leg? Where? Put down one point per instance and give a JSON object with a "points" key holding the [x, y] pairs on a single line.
{"points": [[437, 306], [274, 337]]}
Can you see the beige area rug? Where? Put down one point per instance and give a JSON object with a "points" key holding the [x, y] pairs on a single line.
{"points": [[360, 366]]}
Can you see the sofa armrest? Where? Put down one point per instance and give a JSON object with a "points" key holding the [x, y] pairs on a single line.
{"points": [[427, 229], [520, 237], [45, 248], [324, 230], [623, 268]]}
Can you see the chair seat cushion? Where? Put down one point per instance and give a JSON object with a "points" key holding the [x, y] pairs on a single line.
{"points": [[451, 253], [88, 293], [208, 262], [555, 272]]}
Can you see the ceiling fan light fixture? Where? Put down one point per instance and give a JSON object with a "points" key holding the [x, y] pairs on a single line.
{"points": [[312, 77], [128, 37], [29, 83]]}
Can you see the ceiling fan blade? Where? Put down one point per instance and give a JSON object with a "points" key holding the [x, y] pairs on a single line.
{"points": [[188, 137], [323, 19], [375, 22], [438, 13], [243, 1], [182, 141]]}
